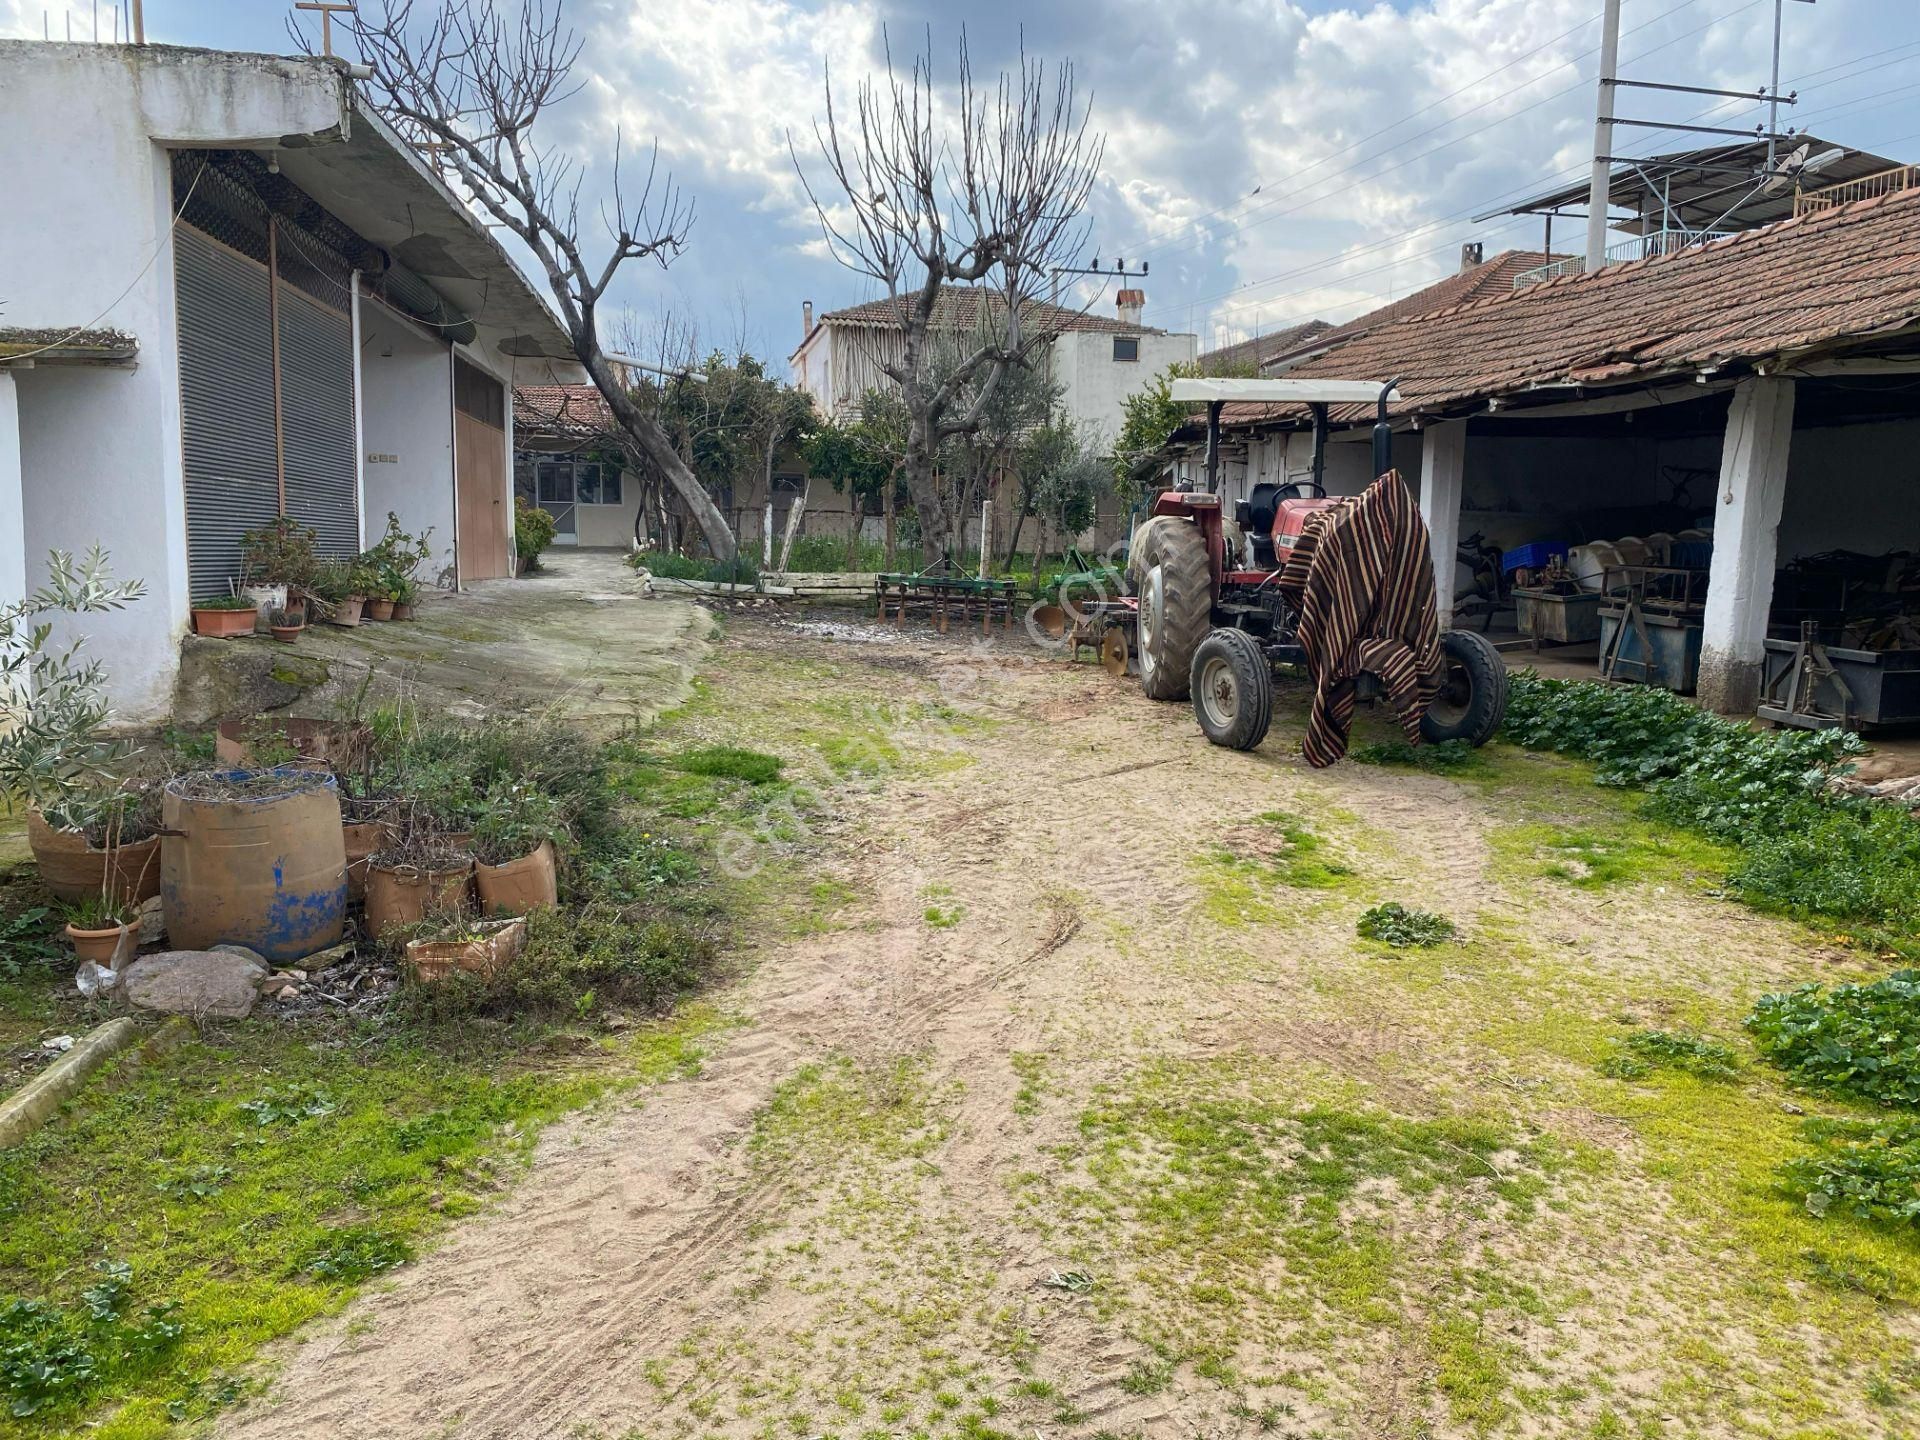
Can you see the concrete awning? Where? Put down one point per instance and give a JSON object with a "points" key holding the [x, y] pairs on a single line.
{"points": [[55, 346], [374, 181]]}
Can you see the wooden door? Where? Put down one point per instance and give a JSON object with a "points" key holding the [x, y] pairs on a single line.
{"points": [[480, 462]]}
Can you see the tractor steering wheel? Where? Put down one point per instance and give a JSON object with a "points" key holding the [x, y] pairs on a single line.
{"points": [[1291, 490]]}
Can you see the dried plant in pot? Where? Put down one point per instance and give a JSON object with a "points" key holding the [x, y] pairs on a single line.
{"points": [[408, 881], [339, 589], [94, 839], [513, 843]]}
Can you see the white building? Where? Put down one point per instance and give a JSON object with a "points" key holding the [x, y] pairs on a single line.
{"points": [[228, 291], [1099, 360]]}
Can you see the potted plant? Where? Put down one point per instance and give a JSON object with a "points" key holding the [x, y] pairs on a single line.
{"points": [[405, 596], [91, 840], [513, 844], [379, 605], [224, 616], [393, 563], [338, 589], [100, 928], [277, 560], [413, 879], [286, 625]]}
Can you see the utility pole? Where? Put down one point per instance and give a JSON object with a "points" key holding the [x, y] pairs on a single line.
{"points": [[1600, 186]]}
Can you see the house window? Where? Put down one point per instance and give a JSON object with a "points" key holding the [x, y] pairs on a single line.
{"points": [[1126, 347], [598, 484]]}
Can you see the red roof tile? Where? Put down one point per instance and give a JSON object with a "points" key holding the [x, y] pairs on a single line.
{"points": [[1847, 273], [959, 307], [1261, 348], [562, 409]]}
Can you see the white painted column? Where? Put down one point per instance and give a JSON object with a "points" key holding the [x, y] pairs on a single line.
{"points": [[1746, 542], [13, 516], [1443, 463]]}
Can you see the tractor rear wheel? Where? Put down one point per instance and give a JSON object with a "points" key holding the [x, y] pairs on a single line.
{"points": [[1168, 565], [1232, 685], [1473, 697]]}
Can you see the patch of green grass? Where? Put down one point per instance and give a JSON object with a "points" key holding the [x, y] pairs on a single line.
{"points": [[1644, 1051], [730, 762], [1031, 1069], [942, 917], [1241, 879], [1595, 857], [1448, 757], [824, 1110], [1472, 1370], [224, 1176]]}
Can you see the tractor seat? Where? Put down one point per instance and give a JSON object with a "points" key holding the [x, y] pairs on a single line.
{"points": [[1262, 508]]}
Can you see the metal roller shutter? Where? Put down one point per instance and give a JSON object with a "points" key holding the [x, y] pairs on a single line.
{"points": [[226, 403], [316, 412]]}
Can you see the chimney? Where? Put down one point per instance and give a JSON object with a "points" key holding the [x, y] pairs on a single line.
{"points": [[1131, 303], [806, 318], [1471, 255]]}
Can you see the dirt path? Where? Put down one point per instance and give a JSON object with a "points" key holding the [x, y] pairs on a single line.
{"points": [[1086, 1115]]}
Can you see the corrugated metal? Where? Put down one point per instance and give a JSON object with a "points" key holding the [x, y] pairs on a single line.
{"points": [[316, 409], [226, 403]]}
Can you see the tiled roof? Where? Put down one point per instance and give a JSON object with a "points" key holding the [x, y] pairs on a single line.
{"points": [[1261, 348], [1847, 273], [1486, 281], [959, 308], [562, 409]]}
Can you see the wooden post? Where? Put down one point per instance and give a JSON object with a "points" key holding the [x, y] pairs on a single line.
{"points": [[766, 535], [793, 524], [887, 512]]}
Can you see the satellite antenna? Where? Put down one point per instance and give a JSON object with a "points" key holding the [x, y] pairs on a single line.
{"points": [[1789, 168]]}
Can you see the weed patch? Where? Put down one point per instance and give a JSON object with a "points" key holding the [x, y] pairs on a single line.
{"points": [[1646, 1051], [1446, 757], [1856, 1040], [1403, 928], [731, 762], [1859, 1169], [1240, 880]]}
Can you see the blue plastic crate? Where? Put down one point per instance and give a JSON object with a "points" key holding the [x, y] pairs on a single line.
{"points": [[1532, 557]]}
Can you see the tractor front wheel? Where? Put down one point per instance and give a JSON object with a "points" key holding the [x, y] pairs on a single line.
{"points": [[1473, 695], [1168, 566], [1232, 685]]}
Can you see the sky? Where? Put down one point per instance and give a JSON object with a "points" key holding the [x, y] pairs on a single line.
{"points": [[1271, 161]]}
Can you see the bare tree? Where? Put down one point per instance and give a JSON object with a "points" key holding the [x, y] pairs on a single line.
{"points": [[468, 85], [984, 190]]}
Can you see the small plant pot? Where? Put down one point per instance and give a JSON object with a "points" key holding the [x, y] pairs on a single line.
{"points": [[521, 885], [379, 610], [490, 950], [266, 599], [406, 894], [346, 613], [223, 624], [286, 634], [103, 947], [402, 610]]}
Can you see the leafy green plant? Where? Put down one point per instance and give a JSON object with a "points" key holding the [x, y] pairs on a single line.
{"points": [[389, 566], [1645, 1051], [98, 912], [281, 552], [225, 602], [289, 1105], [354, 1253], [1403, 928], [26, 941], [515, 822], [1858, 1040], [1863, 1170], [200, 1182], [533, 531], [53, 705], [48, 1356]]}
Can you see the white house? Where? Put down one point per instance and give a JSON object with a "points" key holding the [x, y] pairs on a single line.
{"points": [[229, 291], [1099, 360]]}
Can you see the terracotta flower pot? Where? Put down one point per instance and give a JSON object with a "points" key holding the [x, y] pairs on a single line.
{"points": [[223, 624], [402, 611], [346, 613], [363, 838], [286, 634], [405, 894], [103, 946], [379, 610], [519, 885], [489, 952], [335, 742], [72, 869]]}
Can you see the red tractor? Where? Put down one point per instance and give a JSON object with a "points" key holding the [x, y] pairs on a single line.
{"points": [[1212, 625]]}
